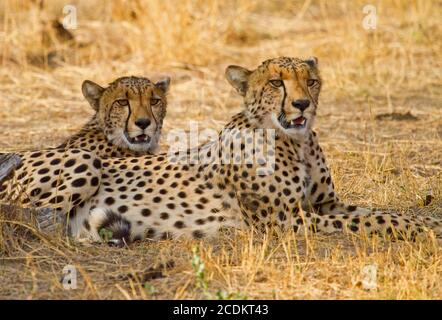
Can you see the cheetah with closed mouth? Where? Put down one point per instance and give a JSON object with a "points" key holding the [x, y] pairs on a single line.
{"points": [[128, 119], [168, 196]]}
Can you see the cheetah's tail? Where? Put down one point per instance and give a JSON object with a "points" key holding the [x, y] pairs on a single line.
{"points": [[8, 162], [109, 227]]}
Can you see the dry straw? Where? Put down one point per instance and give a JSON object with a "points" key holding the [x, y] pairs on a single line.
{"points": [[383, 161]]}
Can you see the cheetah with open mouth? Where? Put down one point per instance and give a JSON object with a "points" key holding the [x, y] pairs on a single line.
{"points": [[287, 185], [168, 196], [128, 119]]}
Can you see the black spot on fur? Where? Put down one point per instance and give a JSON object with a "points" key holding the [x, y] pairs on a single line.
{"points": [[79, 182]]}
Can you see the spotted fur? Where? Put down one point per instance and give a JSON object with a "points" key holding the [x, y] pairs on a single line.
{"points": [[162, 197], [128, 121]]}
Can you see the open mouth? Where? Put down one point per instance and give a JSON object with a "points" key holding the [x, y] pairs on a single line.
{"points": [[142, 138], [297, 123]]}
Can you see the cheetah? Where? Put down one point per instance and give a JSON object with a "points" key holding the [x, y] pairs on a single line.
{"points": [[264, 171], [128, 119], [169, 196]]}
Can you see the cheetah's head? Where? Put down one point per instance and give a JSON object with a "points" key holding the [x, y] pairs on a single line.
{"points": [[130, 111], [282, 93]]}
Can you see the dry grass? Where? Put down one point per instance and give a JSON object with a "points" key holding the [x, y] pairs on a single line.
{"points": [[384, 163]]}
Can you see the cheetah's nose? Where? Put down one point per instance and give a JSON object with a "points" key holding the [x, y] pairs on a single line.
{"points": [[142, 123], [301, 104]]}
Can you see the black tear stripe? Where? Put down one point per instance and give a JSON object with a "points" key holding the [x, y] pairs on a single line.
{"points": [[283, 98], [130, 112], [151, 111], [307, 91], [153, 115]]}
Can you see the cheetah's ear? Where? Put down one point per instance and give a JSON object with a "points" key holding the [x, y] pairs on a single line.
{"points": [[312, 62], [92, 92], [238, 77], [163, 84]]}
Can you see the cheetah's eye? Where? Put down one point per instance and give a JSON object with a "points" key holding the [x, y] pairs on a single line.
{"points": [[123, 102], [154, 101], [276, 83], [311, 82]]}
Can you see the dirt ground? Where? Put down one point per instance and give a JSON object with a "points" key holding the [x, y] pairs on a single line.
{"points": [[379, 123]]}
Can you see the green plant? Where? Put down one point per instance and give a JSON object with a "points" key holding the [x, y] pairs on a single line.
{"points": [[150, 288], [202, 282], [105, 234]]}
